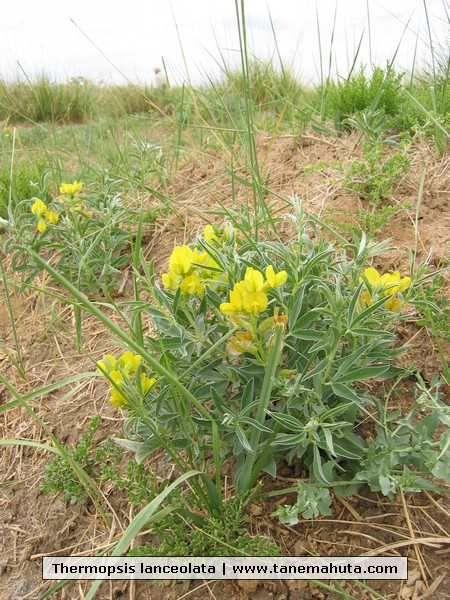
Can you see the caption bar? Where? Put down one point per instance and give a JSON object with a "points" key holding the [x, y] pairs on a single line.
{"points": [[261, 567]]}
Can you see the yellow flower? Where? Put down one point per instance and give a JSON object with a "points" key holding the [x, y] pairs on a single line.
{"points": [[387, 284], [146, 383], [41, 226], [394, 304], [181, 260], [396, 283], [255, 302], [275, 280], [107, 364], [38, 208], [254, 280], [117, 399], [236, 298], [170, 280], [210, 235], [70, 189], [192, 285], [130, 361], [243, 300], [51, 217]]}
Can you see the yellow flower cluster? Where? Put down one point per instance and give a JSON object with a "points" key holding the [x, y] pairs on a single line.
{"points": [[188, 270], [71, 196], [249, 295], [119, 370], [71, 189], [384, 285], [43, 215]]}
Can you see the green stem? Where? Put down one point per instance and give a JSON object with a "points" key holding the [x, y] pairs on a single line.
{"points": [[245, 478]]}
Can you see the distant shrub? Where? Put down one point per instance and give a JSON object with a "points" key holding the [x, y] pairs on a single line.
{"points": [[382, 91]]}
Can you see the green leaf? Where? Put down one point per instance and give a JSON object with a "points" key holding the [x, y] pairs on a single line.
{"points": [[247, 395], [145, 449], [353, 302], [363, 373], [289, 440], [321, 366], [270, 466], [308, 334], [296, 307], [337, 410], [243, 439], [317, 467], [287, 421], [305, 320], [368, 311]]}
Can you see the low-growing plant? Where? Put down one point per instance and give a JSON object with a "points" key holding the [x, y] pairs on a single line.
{"points": [[97, 462], [371, 220], [272, 342], [223, 535], [375, 176], [82, 234], [381, 91]]}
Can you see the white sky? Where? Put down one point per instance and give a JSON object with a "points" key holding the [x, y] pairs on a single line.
{"points": [[135, 34]]}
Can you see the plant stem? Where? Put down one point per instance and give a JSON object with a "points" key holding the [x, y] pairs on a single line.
{"points": [[246, 477]]}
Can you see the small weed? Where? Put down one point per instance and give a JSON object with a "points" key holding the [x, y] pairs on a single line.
{"points": [[374, 177], [379, 92], [370, 221], [436, 308], [59, 475], [181, 535], [153, 214]]}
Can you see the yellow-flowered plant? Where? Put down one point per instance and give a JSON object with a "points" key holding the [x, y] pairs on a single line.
{"points": [[71, 189], [388, 284], [271, 363], [190, 270], [119, 372], [84, 236], [43, 215], [249, 295]]}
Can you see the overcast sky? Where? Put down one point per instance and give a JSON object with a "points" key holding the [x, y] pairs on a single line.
{"points": [[63, 38]]}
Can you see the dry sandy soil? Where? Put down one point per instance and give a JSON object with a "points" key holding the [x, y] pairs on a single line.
{"points": [[34, 524]]}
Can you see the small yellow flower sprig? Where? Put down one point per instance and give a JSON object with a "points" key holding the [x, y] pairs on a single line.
{"points": [[248, 300], [43, 215], [388, 284], [70, 196], [248, 296], [119, 372], [71, 189], [189, 270]]}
